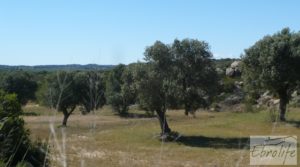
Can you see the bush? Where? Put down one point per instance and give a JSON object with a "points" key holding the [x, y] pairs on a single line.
{"points": [[21, 83], [248, 107], [228, 84], [14, 138], [118, 104]]}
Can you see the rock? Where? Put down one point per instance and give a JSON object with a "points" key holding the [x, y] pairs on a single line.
{"points": [[276, 101], [230, 72], [295, 100], [238, 84], [215, 108], [234, 69], [295, 94], [233, 99], [273, 103], [235, 64], [267, 93], [222, 94], [263, 100], [266, 99]]}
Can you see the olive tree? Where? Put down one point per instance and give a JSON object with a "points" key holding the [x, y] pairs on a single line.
{"points": [[90, 90], [120, 89], [194, 73], [181, 72], [152, 95], [61, 94], [272, 63]]}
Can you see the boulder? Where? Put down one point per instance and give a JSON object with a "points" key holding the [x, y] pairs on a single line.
{"points": [[234, 69], [294, 94], [266, 99], [215, 108], [229, 72], [233, 99], [295, 100], [235, 64]]}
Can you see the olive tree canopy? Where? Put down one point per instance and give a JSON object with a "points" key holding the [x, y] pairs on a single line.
{"points": [[273, 63]]}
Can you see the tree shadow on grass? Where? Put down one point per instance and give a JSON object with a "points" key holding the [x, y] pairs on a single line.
{"points": [[294, 123], [136, 115], [215, 142]]}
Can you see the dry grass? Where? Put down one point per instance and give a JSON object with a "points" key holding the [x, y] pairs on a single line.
{"points": [[103, 139]]}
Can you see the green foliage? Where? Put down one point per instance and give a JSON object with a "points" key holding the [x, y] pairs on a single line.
{"points": [[42, 93], [151, 95], [41, 78], [272, 115], [194, 73], [273, 64], [228, 84], [14, 138], [179, 74], [21, 83], [120, 89], [2, 163], [118, 105], [90, 89], [60, 93], [155, 79], [248, 106]]}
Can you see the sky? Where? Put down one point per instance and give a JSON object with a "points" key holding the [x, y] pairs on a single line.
{"points": [[35, 32]]}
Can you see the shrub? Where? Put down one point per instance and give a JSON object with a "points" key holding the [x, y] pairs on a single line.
{"points": [[14, 138]]}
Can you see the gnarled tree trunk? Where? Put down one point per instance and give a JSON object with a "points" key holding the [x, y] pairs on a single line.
{"points": [[163, 122], [282, 109], [282, 105], [67, 114], [187, 108]]}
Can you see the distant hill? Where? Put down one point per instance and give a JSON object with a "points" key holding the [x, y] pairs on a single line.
{"points": [[220, 63], [71, 67]]}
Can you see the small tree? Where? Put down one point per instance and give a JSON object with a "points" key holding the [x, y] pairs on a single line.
{"points": [[272, 63], [153, 82], [62, 94], [194, 73], [90, 90], [151, 95], [120, 90], [179, 73]]}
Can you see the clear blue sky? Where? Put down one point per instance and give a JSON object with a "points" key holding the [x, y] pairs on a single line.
{"points": [[112, 32]]}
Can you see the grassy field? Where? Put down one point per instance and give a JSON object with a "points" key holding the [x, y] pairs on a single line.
{"points": [[104, 139]]}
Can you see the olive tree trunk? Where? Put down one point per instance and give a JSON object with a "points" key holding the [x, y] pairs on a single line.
{"points": [[282, 105], [67, 115], [163, 122], [282, 108]]}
